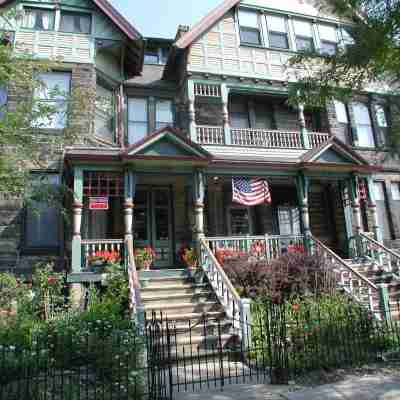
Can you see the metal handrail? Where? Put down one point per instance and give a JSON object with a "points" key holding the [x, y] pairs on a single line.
{"points": [[380, 245]]}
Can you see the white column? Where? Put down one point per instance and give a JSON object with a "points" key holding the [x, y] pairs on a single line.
{"points": [[199, 192], [192, 112], [225, 113]]}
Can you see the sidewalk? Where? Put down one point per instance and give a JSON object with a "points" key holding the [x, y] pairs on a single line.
{"points": [[377, 387]]}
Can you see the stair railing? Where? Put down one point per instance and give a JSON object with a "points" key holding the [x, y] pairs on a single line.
{"points": [[236, 308], [357, 286], [383, 256]]}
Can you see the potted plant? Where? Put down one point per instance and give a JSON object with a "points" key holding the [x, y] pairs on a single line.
{"points": [[101, 260], [189, 257], [144, 257]]}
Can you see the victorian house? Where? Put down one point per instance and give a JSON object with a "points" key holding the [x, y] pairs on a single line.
{"points": [[176, 120]]}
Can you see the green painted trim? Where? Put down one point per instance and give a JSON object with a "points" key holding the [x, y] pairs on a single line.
{"points": [[328, 174], [100, 167], [256, 89], [251, 172], [89, 277], [78, 184], [384, 301]]}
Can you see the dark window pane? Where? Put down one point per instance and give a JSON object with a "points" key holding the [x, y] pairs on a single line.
{"points": [[278, 40], [250, 35], [75, 23], [328, 47], [151, 58], [304, 44]]}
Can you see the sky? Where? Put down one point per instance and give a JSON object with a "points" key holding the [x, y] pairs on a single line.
{"points": [[160, 18]]}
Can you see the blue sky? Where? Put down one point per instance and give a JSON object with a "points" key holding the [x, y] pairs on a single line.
{"points": [[160, 18]]}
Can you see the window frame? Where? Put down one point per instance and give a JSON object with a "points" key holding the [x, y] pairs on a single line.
{"points": [[28, 249], [303, 37], [250, 28], [129, 121], [172, 122], [41, 9], [76, 13], [356, 125], [278, 33], [113, 119], [323, 41]]}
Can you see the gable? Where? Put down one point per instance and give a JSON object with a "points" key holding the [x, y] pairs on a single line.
{"points": [[333, 156], [165, 148]]}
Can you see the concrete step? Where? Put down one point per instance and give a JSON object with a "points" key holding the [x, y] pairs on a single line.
{"points": [[158, 301], [170, 309], [193, 317], [199, 328], [166, 281], [174, 289]]}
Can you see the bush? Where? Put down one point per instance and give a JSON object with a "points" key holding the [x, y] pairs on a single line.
{"points": [[292, 274]]}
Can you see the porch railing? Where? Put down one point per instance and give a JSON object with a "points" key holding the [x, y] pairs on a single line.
{"points": [[365, 246], [315, 139], [353, 283], [266, 138], [268, 247], [91, 246], [210, 135]]}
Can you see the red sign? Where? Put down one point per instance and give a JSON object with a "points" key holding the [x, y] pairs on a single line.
{"points": [[98, 203]]}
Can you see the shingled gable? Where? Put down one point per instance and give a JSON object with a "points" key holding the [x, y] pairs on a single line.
{"points": [[204, 24], [167, 143], [334, 151], [119, 20]]}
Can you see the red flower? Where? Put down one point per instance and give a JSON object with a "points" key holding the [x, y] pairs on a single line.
{"points": [[51, 280], [296, 307]]}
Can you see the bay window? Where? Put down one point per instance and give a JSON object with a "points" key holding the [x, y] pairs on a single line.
{"points": [[38, 19], [42, 220], [137, 119], [164, 115], [52, 100], [73, 22], [303, 31], [249, 27], [363, 125], [277, 32], [328, 39]]}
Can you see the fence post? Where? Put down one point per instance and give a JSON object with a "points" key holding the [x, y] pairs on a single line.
{"points": [[245, 316], [384, 300], [266, 247]]}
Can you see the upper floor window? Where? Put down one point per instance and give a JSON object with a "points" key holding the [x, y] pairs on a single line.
{"points": [[73, 22], [249, 27], [328, 38], [42, 220], [304, 35], [39, 19], [52, 100], [346, 36], [156, 55], [137, 119], [104, 112], [164, 115], [363, 125], [395, 189], [239, 113], [277, 32], [380, 113]]}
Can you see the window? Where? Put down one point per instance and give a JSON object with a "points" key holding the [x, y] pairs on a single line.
{"points": [[239, 113], [395, 188], [75, 22], [304, 35], [239, 220], [42, 220], [51, 99], [137, 119], [289, 221], [39, 19], [156, 55], [164, 115], [363, 126], [249, 27], [347, 37], [263, 116], [328, 39], [379, 191], [277, 32], [341, 112], [104, 112], [151, 57], [380, 113]]}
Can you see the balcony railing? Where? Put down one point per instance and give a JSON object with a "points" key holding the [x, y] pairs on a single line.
{"points": [[214, 135], [90, 248]]}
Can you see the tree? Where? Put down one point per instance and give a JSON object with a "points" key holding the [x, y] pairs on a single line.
{"points": [[370, 55], [24, 144]]}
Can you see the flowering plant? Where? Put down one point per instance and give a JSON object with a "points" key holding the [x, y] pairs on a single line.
{"points": [[296, 248], [106, 257], [189, 257], [144, 257]]}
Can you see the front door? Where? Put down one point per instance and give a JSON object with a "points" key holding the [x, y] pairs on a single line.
{"points": [[153, 222]]}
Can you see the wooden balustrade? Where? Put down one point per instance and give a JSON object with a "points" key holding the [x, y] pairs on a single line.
{"points": [[315, 139], [91, 247], [210, 135], [207, 90], [266, 138]]}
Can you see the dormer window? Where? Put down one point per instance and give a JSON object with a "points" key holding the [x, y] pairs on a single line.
{"points": [[38, 19], [156, 54], [249, 28], [277, 32], [304, 35], [73, 22], [328, 39]]}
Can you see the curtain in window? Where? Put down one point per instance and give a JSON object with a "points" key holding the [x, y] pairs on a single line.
{"points": [[327, 32], [302, 28], [248, 18], [276, 23], [137, 119], [29, 18], [341, 113], [38, 19], [164, 115], [363, 125]]}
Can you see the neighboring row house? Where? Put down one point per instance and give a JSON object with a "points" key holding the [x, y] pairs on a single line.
{"points": [[178, 119]]}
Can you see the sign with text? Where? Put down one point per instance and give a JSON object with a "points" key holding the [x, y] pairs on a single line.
{"points": [[98, 203]]}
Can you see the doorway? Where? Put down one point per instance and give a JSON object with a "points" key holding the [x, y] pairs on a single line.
{"points": [[153, 222]]}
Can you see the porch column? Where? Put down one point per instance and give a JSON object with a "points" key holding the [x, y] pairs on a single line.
{"points": [[303, 130], [355, 204], [77, 221], [302, 185], [199, 192], [192, 112], [373, 210], [225, 113], [130, 189]]}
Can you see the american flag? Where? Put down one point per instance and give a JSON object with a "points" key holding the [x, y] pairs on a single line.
{"points": [[250, 191], [362, 190]]}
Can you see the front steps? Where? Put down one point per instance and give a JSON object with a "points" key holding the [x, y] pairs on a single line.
{"points": [[197, 323]]}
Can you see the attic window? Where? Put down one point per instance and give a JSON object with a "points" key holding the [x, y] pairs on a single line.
{"points": [[72, 22], [38, 19], [249, 27]]}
